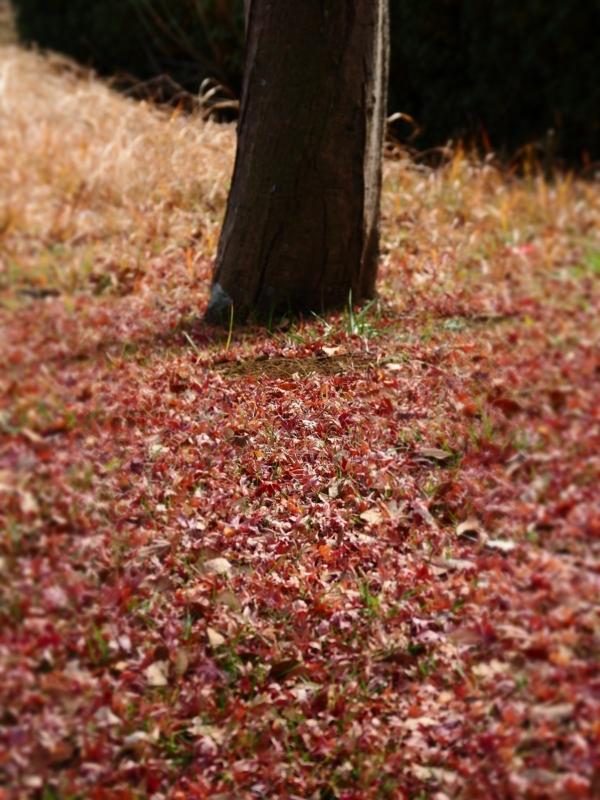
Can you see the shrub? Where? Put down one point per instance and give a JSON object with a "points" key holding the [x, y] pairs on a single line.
{"points": [[189, 40]]}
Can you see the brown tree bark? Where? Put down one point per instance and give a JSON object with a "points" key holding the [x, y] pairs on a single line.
{"points": [[301, 228]]}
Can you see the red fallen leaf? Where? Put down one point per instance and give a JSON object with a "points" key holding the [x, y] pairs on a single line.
{"points": [[178, 382], [507, 405], [578, 786], [558, 399], [325, 550]]}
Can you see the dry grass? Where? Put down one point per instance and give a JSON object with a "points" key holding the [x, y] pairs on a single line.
{"points": [[7, 28], [100, 191], [96, 185]]}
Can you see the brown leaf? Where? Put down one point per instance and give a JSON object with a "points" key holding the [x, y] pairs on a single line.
{"points": [[554, 713], [373, 516], [465, 636], [507, 405], [469, 529], [216, 566], [157, 674], [288, 668], [229, 599], [215, 639], [182, 661], [435, 452]]}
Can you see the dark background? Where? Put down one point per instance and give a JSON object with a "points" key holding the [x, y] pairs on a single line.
{"points": [[500, 74]]}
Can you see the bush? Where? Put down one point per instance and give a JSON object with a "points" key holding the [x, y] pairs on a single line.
{"points": [[503, 72], [188, 40], [507, 71]]}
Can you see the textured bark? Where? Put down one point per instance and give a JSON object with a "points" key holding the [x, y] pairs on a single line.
{"points": [[302, 224]]}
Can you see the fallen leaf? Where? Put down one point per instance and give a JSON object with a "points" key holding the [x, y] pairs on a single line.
{"points": [[157, 674], [333, 489], [414, 723], [200, 728], [104, 716], [216, 566], [435, 453], [469, 529], [136, 738], [288, 668], [215, 638], [373, 516], [465, 636], [500, 544], [182, 661], [453, 563], [29, 505], [555, 713], [229, 599], [507, 405]]}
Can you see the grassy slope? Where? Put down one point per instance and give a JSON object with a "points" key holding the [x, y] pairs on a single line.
{"points": [[355, 641]]}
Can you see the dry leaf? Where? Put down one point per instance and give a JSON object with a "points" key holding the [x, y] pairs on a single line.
{"points": [[373, 516], [157, 674], [435, 453], [215, 638], [288, 668], [216, 566], [453, 563], [229, 599], [105, 717], [414, 723], [555, 713], [200, 728], [465, 636], [136, 738], [469, 529], [182, 661], [333, 489], [500, 544], [29, 505]]}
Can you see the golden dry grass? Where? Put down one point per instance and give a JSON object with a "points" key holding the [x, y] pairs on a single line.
{"points": [[96, 187], [7, 27]]}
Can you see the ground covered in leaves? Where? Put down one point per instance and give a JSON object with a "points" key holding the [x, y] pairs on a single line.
{"points": [[346, 558]]}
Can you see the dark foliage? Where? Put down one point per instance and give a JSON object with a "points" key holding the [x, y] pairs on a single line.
{"points": [[502, 73], [188, 40], [506, 72]]}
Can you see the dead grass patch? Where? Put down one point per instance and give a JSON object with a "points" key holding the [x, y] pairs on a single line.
{"points": [[281, 367]]}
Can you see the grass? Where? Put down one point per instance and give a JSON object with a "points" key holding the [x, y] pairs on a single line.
{"points": [[98, 193]]}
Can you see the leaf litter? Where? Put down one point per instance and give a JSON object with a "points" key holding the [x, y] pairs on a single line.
{"points": [[378, 580]]}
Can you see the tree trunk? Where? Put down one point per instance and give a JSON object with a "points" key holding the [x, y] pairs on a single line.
{"points": [[302, 224]]}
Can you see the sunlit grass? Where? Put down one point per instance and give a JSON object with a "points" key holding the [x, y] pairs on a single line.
{"points": [[96, 186]]}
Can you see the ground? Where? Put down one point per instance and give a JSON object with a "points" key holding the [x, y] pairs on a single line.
{"points": [[350, 557]]}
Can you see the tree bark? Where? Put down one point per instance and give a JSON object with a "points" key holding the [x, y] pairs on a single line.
{"points": [[301, 228]]}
